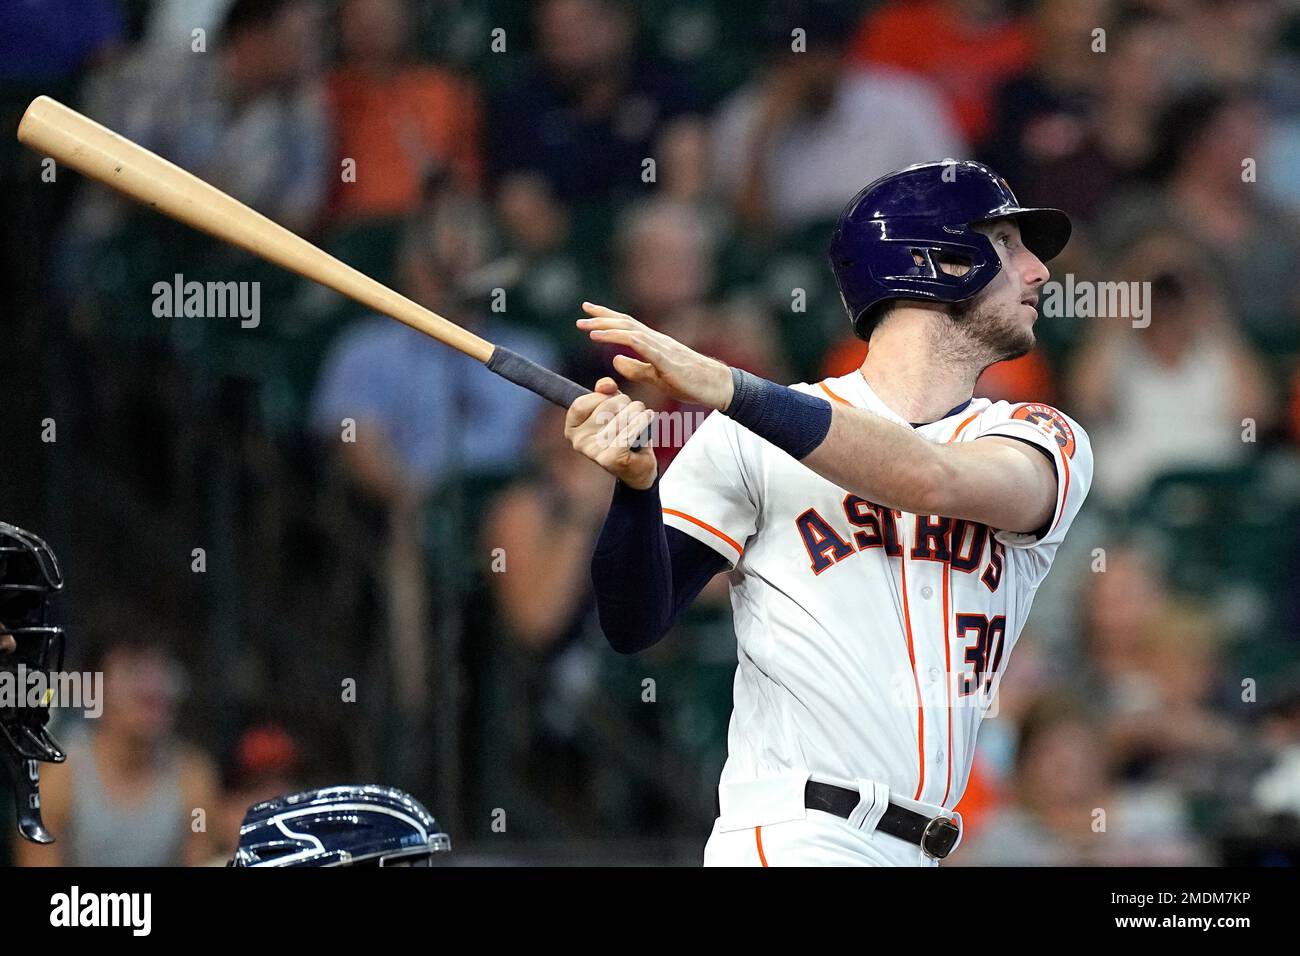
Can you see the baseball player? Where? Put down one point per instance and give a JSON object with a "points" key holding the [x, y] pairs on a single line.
{"points": [[883, 532]]}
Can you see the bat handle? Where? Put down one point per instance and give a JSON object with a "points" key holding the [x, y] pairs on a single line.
{"points": [[553, 387]]}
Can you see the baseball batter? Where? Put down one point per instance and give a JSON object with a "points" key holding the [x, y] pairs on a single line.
{"points": [[883, 532]]}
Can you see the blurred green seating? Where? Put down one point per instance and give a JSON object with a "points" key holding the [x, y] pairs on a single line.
{"points": [[716, 42], [1230, 534]]}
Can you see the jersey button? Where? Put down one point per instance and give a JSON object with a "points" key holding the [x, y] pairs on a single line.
{"points": [[938, 758], [927, 592], [934, 673]]}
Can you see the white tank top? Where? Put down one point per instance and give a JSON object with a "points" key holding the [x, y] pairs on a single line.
{"points": [[1167, 418], [104, 833]]}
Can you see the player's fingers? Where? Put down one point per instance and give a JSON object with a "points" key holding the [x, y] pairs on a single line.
{"points": [[615, 337], [582, 408], [633, 429], [607, 386], [605, 413], [591, 308], [608, 435], [641, 341], [591, 405], [607, 322], [635, 370]]}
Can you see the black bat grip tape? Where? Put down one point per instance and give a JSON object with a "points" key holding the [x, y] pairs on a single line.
{"points": [[553, 387]]}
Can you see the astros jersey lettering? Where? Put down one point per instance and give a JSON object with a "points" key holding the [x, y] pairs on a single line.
{"points": [[856, 624]]}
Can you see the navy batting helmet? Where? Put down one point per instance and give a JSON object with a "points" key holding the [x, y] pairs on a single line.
{"points": [[892, 237], [340, 826], [29, 577]]}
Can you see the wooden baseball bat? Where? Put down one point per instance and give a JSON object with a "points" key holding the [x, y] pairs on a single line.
{"points": [[77, 141]]}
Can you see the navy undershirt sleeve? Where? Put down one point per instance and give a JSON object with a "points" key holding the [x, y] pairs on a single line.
{"points": [[645, 574]]}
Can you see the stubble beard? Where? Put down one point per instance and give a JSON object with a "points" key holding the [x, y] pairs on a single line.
{"points": [[977, 331]]}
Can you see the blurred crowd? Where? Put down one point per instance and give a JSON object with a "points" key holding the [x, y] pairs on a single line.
{"points": [[324, 548]]}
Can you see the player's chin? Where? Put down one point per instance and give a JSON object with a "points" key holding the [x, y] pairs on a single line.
{"points": [[1017, 340]]}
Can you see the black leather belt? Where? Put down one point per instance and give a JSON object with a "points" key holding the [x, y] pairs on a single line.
{"points": [[936, 836]]}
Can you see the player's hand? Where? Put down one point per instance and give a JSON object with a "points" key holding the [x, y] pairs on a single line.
{"points": [[603, 425], [668, 365]]}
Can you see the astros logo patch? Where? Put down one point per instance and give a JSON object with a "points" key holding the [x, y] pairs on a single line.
{"points": [[1051, 421]]}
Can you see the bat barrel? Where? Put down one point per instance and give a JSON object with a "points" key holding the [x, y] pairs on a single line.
{"points": [[82, 144]]}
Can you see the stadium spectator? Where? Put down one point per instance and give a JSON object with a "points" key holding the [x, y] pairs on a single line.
{"points": [[793, 144], [247, 114], [423, 410], [666, 254], [412, 412], [1150, 665], [1249, 44], [588, 109], [1066, 809], [131, 788], [966, 48], [1204, 178], [1157, 709], [1173, 393], [1123, 603], [1277, 788], [400, 122], [1080, 120]]}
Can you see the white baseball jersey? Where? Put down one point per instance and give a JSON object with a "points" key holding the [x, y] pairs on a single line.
{"points": [[857, 624]]}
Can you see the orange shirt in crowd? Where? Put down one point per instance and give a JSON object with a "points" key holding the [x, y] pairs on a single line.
{"points": [[967, 61], [398, 129]]}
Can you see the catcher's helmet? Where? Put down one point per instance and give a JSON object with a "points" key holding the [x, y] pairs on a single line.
{"points": [[29, 575], [340, 826], [893, 235]]}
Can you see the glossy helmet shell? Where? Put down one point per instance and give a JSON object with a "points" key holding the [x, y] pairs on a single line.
{"points": [[340, 826]]}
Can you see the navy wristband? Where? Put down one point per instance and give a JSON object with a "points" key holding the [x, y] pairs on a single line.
{"points": [[791, 420]]}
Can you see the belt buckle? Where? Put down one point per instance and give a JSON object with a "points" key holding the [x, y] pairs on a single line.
{"points": [[939, 837]]}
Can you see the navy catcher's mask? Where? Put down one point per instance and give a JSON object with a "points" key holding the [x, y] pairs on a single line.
{"points": [[893, 236], [340, 826], [29, 575]]}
